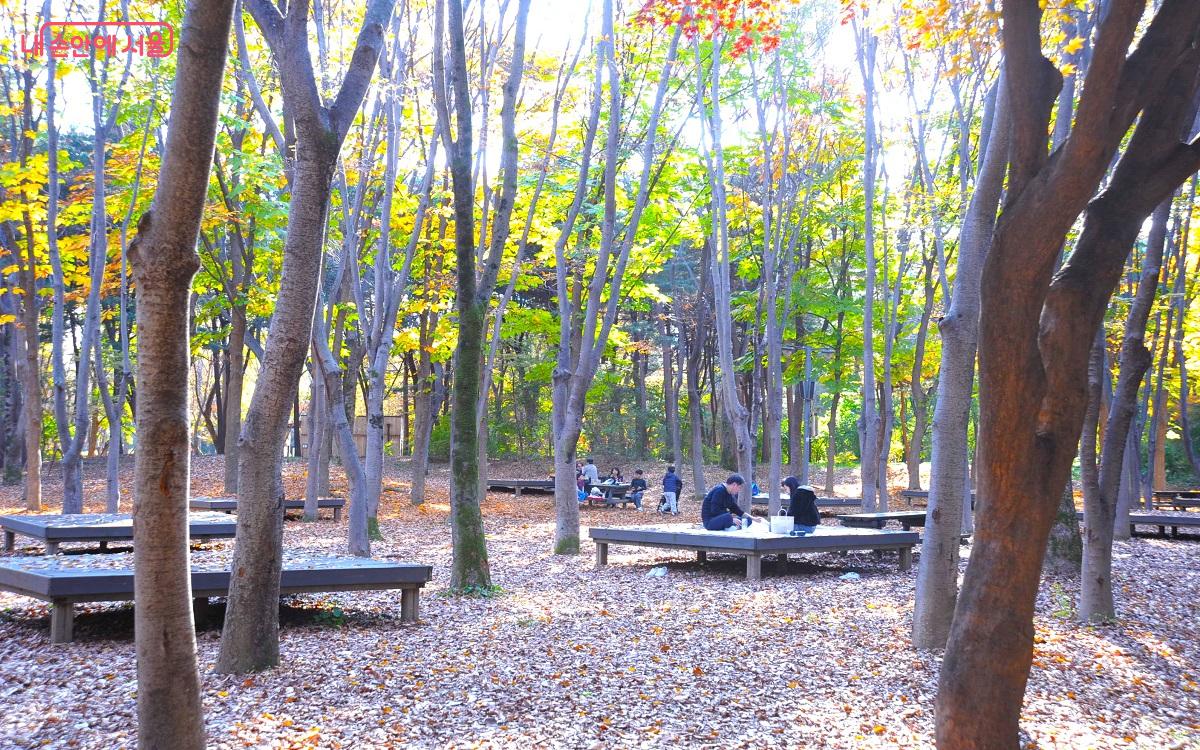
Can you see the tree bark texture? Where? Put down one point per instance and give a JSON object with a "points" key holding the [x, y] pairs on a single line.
{"points": [[1036, 325], [250, 639], [164, 260]]}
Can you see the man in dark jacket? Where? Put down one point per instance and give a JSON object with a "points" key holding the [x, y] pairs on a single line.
{"points": [[720, 510], [802, 505], [672, 486]]}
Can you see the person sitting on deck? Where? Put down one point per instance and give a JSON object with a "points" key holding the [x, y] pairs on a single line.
{"points": [[637, 488], [802, 505], [720, 511]]}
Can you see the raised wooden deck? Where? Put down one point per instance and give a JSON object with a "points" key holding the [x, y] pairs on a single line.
{"points": [[53, 530], [65, 580], [229, 504], [823, 503], [907, 519], [518, 486], [1163, 521], [753, 546]]}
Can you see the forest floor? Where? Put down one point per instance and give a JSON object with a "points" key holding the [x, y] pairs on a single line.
{"points": [[569, 656]]}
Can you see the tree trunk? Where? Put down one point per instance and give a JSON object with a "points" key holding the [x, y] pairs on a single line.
{"points": [[1103, 487], [870, 423], [250, 639], [164, 260], [1033, 362], [317, 418], [335, 413], [233, 391], [949, 487]]}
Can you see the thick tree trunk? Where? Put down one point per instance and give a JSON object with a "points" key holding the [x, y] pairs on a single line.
{"points": [[250, 639], [1033, 362], [164, 260]]}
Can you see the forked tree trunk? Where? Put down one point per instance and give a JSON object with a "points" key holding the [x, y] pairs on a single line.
{"points": [[1033, 362], [250, 639], [164, 260]]}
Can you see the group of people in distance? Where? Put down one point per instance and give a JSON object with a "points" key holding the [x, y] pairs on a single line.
{"points": [[720, 510]]}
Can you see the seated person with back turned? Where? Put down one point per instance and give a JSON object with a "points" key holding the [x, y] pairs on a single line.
{"points": [[802, 505], [720, 511]]}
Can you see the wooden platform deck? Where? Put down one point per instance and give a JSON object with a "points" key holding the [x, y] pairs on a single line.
{"points": [[1163, 521], [907, 519], [1176, 499], [229, 504], [519, 486], [751, 546], [64, 580], [53, 530], [823, 503]]}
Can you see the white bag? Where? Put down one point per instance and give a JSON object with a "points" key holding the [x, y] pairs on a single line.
{"points": [[782, 524]]}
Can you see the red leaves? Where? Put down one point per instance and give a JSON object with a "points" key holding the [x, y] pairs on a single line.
{"points": [[750, 22]]}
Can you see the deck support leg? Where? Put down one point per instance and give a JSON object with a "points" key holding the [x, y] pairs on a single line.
{"points": [[783, 560], [410, 604], [601, 554], [337, 514], [10, 541], [51, 548], [62, 621], [906, 558], [753, 567], [201, 612], [103, 546], [701, 556]]}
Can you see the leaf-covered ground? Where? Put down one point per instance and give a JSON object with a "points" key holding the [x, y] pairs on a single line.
{"points": [[570, 656]]}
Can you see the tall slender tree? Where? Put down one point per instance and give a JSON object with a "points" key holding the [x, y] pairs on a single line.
{"points": [[164, 259]]}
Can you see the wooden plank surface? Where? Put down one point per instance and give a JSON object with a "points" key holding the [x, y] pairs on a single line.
{"points": [[85, 527]]}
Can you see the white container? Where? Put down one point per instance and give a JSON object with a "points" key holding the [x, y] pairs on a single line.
{"points": [[782, 524]]}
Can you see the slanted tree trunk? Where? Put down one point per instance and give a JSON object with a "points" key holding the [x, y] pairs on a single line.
{"points": [[1102, 497], [164, 260], [1033, 362], [250, 639], [949, 487]]}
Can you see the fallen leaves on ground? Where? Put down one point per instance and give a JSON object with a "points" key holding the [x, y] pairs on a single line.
{"points": [[571, 656]]}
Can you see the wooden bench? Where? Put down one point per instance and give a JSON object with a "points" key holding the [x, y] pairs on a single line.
{"points": [[65, 580], [517, 486], [613, 494], [907, 519], [53, 530], [1176, 499], [753, 547], [913, 495], [1163, 521], [229, 504], [823, 503]]}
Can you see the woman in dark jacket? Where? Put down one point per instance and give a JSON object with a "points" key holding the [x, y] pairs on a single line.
{"points": [[802, 505]]}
